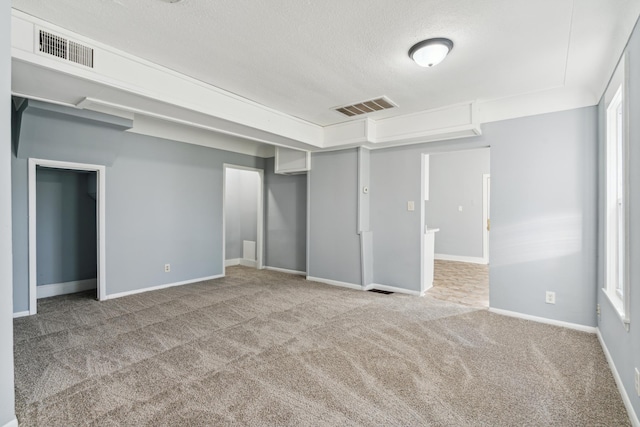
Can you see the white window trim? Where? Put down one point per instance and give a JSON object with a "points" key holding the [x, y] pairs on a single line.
{"points": [[618, 88]]}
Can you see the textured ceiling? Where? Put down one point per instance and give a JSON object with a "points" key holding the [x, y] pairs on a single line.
{"points": [[304, 57]]}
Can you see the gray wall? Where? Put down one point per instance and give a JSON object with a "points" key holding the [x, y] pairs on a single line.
{"points": [[285, 219], [624, 346], [7, 411], [241, 210], [543, 172], [455, 179], [54, 132], [66, 223], [334, 245], [163, 205]]}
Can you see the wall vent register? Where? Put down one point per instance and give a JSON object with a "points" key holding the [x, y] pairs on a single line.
{"points": [[54, 45], [365, 107]]}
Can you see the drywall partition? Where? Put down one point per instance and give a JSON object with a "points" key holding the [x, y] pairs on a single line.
{"points": [[334, 245], [66, 224], [364, 216], [241, 210], [163, 206], [285, 220], [623, 346], [44, 133], [456, 182], [7, 394], [543, 173]]}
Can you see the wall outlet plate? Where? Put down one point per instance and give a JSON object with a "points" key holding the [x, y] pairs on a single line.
{"points": [[550, 297], [167, 268]]}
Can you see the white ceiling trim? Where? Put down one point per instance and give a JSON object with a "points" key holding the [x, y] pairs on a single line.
{"points": [[127, 85]]}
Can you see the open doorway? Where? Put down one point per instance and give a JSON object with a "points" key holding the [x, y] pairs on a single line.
{"points": [[66, 229], [243, 217], [456, 225]]}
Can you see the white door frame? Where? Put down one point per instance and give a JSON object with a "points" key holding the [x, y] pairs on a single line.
{"points": [[100, 171], [259, 239], [486, 183]]}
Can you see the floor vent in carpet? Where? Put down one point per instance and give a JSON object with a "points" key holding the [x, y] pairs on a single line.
{"points": [[378, 291]]}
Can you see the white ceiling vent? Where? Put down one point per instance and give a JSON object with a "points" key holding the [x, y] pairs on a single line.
{"points": [[52, 44], [365, 107]]}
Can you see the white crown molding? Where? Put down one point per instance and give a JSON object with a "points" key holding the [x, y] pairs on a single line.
{"points": [[166, 103]]}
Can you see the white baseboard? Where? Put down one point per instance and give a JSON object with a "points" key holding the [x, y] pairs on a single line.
{"points": [[633, 417], [12, 423], [166, 285], [240, 261], [569, 325], [248, 262], [21, 314], [334, 283], [459, 258], [393, 289], [55, 289], [284, 270]]}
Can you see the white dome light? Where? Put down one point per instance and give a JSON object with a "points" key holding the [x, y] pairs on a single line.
{"points": [[430, 52]]}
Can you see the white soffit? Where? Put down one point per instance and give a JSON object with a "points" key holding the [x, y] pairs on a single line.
{"points": [[246, 70], [164, 129]]}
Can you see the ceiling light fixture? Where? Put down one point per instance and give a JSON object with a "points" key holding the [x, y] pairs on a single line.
{"points": [[428, 53]]}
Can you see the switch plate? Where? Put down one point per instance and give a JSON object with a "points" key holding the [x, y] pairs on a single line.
{"points": [[167, 268], [550, 297], [411, 206]]}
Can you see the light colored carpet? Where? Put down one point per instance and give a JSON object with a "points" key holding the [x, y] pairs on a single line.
{"points": [[265, 348]]}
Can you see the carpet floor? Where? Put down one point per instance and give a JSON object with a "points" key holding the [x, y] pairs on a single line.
{"points": [[266, 348]]}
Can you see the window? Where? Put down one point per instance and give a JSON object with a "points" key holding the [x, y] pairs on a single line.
{"points": [[616, 277]]}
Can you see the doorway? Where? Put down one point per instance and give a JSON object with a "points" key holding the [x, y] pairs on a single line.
{"points": [[455, 225], [43, 274], [242, 216]]}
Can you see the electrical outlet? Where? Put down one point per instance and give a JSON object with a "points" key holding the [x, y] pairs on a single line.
{"points": [[167, 268], [637, 382], [550, 297], [598, 309]]}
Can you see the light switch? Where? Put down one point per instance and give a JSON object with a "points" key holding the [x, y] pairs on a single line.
{"points": [[411, 206]]}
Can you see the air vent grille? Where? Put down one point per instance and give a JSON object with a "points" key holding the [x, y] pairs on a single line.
{"points": [[53, 45], [80, 54], [60, 47], [380, 291], [366, 107]]}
